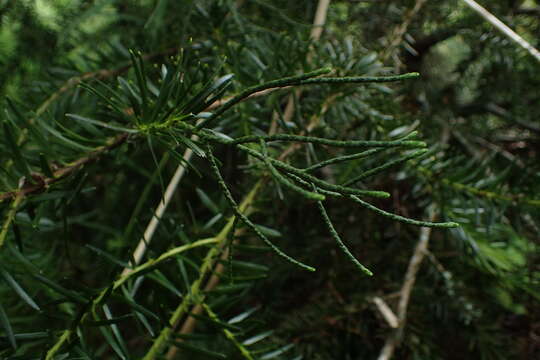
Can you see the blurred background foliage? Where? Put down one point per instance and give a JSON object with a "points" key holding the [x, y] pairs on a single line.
{"points": [[475, 104]]}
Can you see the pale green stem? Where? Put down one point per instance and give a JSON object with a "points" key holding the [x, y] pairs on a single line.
{"points": [[195, 296], [123, 278], [10, 216], [229, 335]]}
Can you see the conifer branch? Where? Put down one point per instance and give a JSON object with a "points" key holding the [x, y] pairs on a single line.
{"points": [[100, 299], [42, 182], [173, 184], [195, 294], [512, 198]]}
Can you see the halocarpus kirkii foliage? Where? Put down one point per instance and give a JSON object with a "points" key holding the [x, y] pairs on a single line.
{"points": [[174, 167]]}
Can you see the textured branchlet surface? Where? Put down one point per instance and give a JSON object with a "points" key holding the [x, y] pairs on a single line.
{"points": [[165, 116]]}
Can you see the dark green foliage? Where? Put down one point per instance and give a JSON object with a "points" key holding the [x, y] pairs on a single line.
{"points": [[92, 132]]}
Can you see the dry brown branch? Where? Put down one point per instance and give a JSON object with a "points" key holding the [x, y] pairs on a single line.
{"points": [[40, 182], [509, 33], [386, 312]]}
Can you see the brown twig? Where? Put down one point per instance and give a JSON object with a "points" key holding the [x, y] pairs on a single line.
{"points": [[503, 28], [40, 183], [386, 312]]}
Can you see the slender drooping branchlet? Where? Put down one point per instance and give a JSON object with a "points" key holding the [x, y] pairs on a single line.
{"points": [[337, 238], [244, 218]]}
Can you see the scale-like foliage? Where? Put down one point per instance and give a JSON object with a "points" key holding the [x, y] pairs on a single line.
{"points": [[265, 192]]}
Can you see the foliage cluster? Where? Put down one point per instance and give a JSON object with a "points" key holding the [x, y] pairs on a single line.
{"points": [[297, 154]]}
